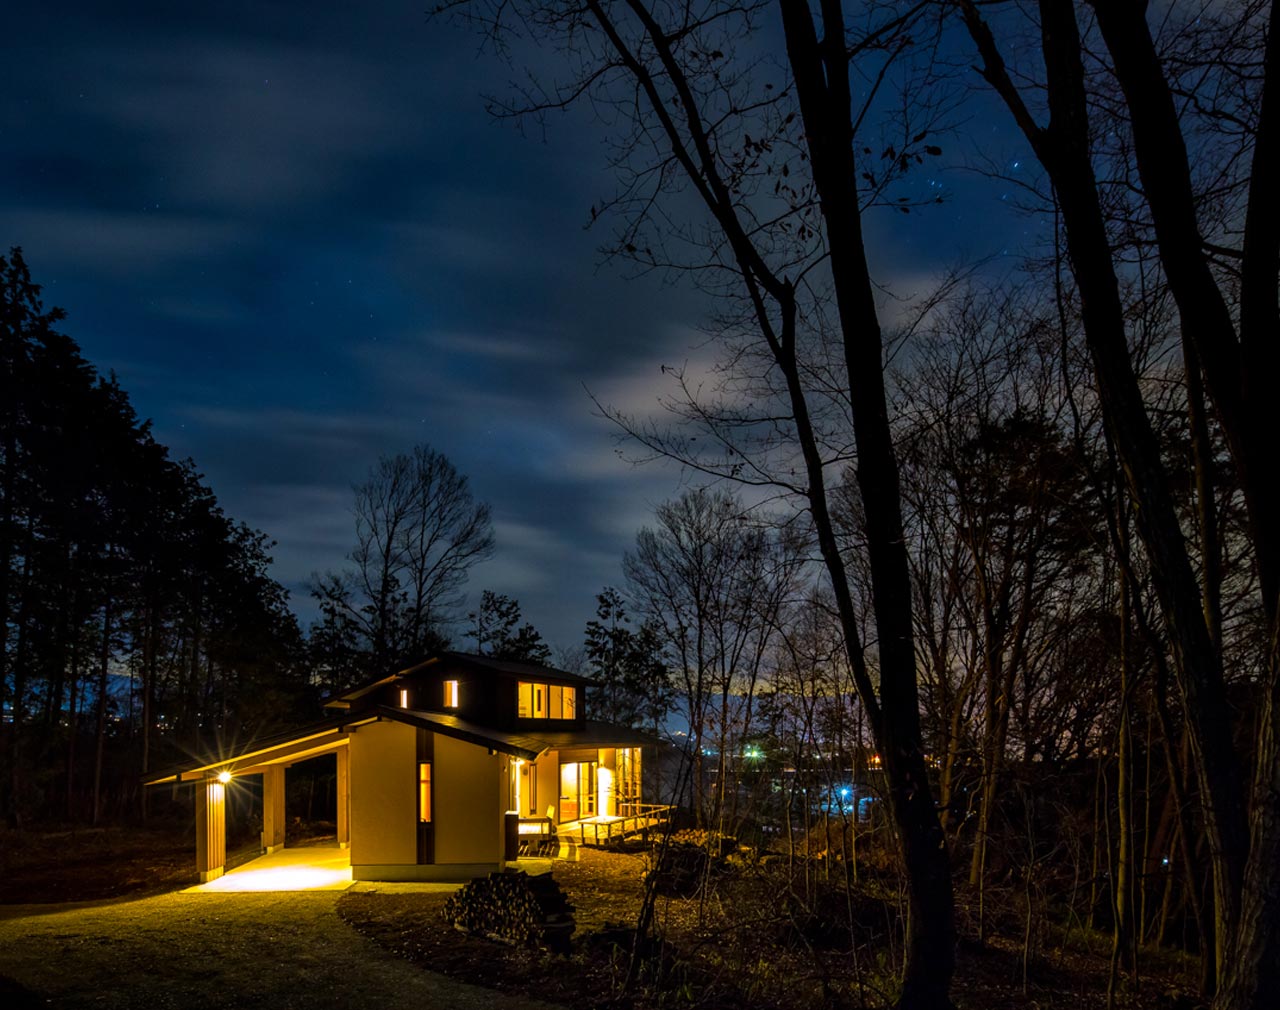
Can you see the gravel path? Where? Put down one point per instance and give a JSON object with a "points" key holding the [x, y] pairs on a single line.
{"points": [[189, 951]]}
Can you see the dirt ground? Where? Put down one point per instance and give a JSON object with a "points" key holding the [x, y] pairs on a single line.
{"points": [[71, 865], [142, 944], [739, 948], [213, 951], [138, 943]]}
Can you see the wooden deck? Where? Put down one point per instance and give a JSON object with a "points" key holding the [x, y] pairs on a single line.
{"points": [[603, 830]]}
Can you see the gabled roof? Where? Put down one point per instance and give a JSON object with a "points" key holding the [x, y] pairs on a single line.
{"points": [[320, 738], [506, 667]]}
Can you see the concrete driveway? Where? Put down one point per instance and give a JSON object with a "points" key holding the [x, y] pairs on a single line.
{"points": [[308, 868], [193, 951]]}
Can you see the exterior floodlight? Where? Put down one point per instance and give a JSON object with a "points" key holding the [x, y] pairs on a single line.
{"points": [[224, 777]]}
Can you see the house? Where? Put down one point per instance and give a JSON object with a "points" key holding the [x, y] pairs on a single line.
{"points": [[442, 768]]}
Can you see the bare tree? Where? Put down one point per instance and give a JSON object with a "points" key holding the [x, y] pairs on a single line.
{"points": [[713, 581], [1001, 525], [1229, 321], [779, 157], [418, 532]]}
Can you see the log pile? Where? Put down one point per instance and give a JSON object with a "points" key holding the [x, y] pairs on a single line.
{"points": [[513, 908]]}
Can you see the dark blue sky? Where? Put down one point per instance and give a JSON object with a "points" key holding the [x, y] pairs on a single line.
{"points": [[294, 233]]}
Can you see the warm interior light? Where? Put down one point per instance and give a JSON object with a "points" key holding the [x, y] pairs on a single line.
{"points": [[604, 788], [224, 777]]}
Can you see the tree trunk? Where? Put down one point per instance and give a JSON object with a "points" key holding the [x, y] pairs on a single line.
{"points": [[73, 726], [1164, 168], [1064, 149], [1251, 978], [821, 72], [1122, 906], [100, 730], [150, 647], [16, 757]]}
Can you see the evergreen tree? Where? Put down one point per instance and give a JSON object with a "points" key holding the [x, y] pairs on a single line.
{"points": [[627, 664], [138, 622], [497, 631]]}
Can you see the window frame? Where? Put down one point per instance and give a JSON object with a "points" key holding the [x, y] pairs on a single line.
{"points": [[546, 701], [426, 798]]}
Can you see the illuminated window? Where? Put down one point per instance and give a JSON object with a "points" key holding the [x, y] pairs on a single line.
{"points": [[450, 694], [404, 698], [424, 792], [546, 701]]}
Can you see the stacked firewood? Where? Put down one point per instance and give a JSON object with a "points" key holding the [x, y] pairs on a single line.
{"points": [[514, 908]]}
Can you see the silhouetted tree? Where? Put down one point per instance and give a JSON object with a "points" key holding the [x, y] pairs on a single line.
{"points": [[633, 686], [418, 532], [497, 631], [137, 621]]}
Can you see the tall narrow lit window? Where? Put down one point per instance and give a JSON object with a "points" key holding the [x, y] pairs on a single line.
{"points": [[450, 694], [404, 698], [570, 703], [524, 708], [424, 792]]}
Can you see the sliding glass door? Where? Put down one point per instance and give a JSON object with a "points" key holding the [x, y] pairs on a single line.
{"points": [[577, 790]]}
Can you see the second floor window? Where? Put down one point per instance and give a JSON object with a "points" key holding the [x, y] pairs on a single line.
{"points": [[450, 694], [546, 701]]}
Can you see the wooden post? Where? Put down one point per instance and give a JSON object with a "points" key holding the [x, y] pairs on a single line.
{"points": [[344, 797], [511, 837], [273, 808], [211, 829]]}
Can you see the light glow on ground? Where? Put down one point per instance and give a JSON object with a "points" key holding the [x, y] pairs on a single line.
{"points": [[305, 869]]}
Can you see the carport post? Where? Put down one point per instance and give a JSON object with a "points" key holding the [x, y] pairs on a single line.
{"points": [[211, 829], [344, 797], [272, 808]]}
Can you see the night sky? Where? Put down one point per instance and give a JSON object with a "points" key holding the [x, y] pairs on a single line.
{"points": [[298, 239]]}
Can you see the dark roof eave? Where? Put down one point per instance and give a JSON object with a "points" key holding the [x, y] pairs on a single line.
{"points": [[598, 734], [316, 729], [527, 748], [504, 667], [508, 668]]}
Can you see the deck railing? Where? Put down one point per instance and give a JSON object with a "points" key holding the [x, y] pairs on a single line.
{"points": [[536, 833], [631, 818]]}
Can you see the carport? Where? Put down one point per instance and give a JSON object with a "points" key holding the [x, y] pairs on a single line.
{"points": [[306, 868], [269, 759]]}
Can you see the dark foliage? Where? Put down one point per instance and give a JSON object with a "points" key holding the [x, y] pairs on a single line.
{"points": [[138, 622]]}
